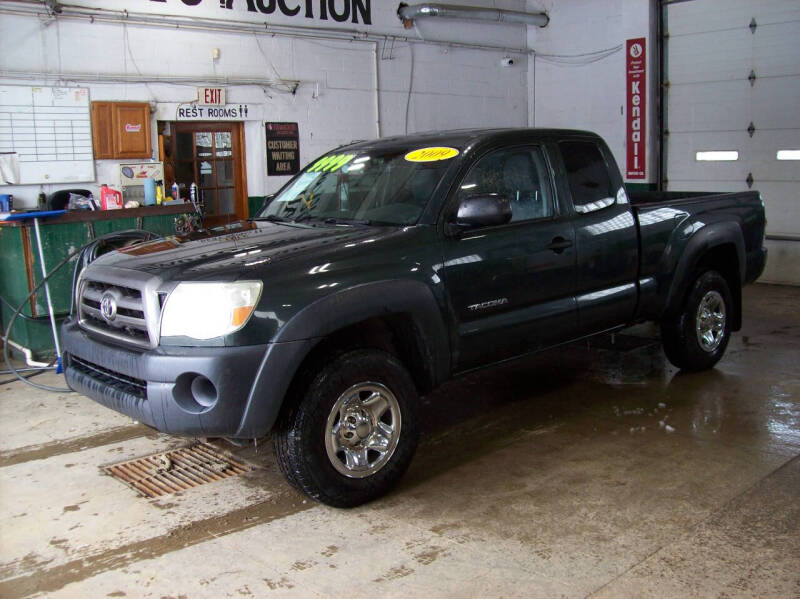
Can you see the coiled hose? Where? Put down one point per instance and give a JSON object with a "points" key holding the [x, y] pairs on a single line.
{"points": [[88, 254]]}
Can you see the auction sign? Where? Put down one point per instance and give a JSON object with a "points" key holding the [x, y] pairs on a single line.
{"points": [[283, 149], [636, 92]]}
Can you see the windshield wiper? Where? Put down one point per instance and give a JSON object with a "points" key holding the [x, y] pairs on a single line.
{"points": [[302, 217], [346, 221], [273, 218]]}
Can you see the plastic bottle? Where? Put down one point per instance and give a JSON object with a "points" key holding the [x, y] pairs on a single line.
{"points": [[110, 199], [149, 192], [193, 193], [159, 195], [176, 193]]}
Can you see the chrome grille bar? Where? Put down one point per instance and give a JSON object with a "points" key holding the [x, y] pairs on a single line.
{"points": [[137, 307]]}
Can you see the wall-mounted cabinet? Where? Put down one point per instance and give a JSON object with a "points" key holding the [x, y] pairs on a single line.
{"points": [[121, 130]]}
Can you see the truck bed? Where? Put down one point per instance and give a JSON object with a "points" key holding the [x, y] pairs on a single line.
{"points": [[667, 222]]}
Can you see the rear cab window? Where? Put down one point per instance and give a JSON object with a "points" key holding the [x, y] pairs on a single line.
{"points": [[588, 176]]}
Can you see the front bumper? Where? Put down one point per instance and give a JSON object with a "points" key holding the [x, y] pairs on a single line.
{"points": [[154, 386]]}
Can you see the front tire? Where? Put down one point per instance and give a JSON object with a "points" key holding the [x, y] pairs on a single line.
{"points": [[351, 434], [696, 338]]}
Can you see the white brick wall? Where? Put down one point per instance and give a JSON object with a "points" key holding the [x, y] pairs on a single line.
{"points": [[593, 96], [452, 87]]}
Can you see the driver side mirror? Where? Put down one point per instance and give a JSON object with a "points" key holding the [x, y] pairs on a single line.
{"points": [[480, 211]]}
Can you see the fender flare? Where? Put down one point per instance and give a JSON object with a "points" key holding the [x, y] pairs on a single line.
{"points": [[295, 340], [709, 237]]}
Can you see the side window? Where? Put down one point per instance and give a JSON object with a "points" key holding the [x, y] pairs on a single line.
{"points": [[520, 174], [588, 177]]}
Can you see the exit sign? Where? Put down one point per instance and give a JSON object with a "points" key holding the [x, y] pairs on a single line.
{"points": [[211, 96]]}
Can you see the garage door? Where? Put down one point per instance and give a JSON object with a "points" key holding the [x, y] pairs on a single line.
{"points": [[734, 86]]}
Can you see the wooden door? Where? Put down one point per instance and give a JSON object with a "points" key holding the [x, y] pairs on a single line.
{"points": [[121, 130], [212, 156], [102, 130], [131, 124]]}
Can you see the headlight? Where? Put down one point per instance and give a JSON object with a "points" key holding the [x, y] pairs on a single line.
{"points": [[206, 310]]}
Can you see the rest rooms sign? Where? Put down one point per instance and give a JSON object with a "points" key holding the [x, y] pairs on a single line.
{"points": [[636, 94], [283, 149], [229, 112]]}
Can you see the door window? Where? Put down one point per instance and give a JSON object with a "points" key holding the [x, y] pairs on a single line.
{"points": [[209, 155], [519, 174], [210, 164], [587, 173]]}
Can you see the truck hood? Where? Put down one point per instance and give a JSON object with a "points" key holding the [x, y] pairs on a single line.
{"points": [[223, 253]]}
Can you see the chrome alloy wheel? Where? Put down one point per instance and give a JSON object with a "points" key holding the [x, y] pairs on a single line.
{"points": [[711, 321], [362, 430]]}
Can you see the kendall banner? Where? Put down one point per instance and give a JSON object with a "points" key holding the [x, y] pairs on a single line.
{"points": [[636, 94]]}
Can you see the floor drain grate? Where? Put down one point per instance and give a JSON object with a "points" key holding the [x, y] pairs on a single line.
{"points": [[177, 470]]}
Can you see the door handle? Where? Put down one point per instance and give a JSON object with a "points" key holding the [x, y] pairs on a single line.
{"points": [[559, 244]]}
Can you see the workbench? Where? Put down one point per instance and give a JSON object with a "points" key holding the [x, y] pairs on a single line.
{"points": [[20, 270]]}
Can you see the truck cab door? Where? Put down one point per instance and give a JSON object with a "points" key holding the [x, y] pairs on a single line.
{"points": [[511, 286], [605, 235]]}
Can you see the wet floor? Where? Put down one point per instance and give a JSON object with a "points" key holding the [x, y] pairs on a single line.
{"points": [[591, 470]]}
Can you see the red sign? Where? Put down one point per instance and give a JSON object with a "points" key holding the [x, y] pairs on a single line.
{"points": [[211, 96], [636, 94]]}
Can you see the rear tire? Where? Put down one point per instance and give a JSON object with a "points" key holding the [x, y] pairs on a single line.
{"points": [[351, 433], [696, 338]]}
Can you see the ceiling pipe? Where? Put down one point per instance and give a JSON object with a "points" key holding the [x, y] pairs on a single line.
{"points": [[53, 6], [96, 15], [408, 14]]}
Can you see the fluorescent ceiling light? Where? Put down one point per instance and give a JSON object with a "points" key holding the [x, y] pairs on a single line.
{"points": [[717, 155], [788, 155]]}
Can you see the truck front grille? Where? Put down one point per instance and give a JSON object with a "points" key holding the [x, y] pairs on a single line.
{"points": [[125, 317]]}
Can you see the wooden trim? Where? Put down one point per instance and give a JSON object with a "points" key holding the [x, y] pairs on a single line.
{"points": [[81, 216], [242, 205], [27, 253]]}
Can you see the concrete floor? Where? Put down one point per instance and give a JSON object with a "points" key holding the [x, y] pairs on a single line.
{"points": [[547, 477]]}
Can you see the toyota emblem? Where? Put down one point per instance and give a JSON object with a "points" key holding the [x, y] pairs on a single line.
{"points": [[108, 307]]}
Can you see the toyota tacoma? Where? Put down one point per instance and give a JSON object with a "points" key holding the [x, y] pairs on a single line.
{"points": [[387, 267]]}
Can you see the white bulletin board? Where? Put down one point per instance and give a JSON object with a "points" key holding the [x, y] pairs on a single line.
{"points": [[50, 130]]}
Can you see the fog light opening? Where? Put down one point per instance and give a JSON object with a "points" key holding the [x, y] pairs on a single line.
{"points": [[203, 391], [194, 393]]}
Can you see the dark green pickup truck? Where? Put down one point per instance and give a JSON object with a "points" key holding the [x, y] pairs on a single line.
{"points": [[387, 267]]}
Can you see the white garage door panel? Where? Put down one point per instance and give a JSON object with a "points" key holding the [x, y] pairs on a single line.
{"points": [[721, 106], [781, 203], [783, 262], [702, 16], [725, 55], [757, 155], [682, 148], [710, 104]]}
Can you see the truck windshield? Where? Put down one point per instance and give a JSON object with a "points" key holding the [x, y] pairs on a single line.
{"points": [[374, 188]]}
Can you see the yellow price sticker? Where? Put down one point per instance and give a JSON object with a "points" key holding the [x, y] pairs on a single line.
{"points": [[431, 154]]}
